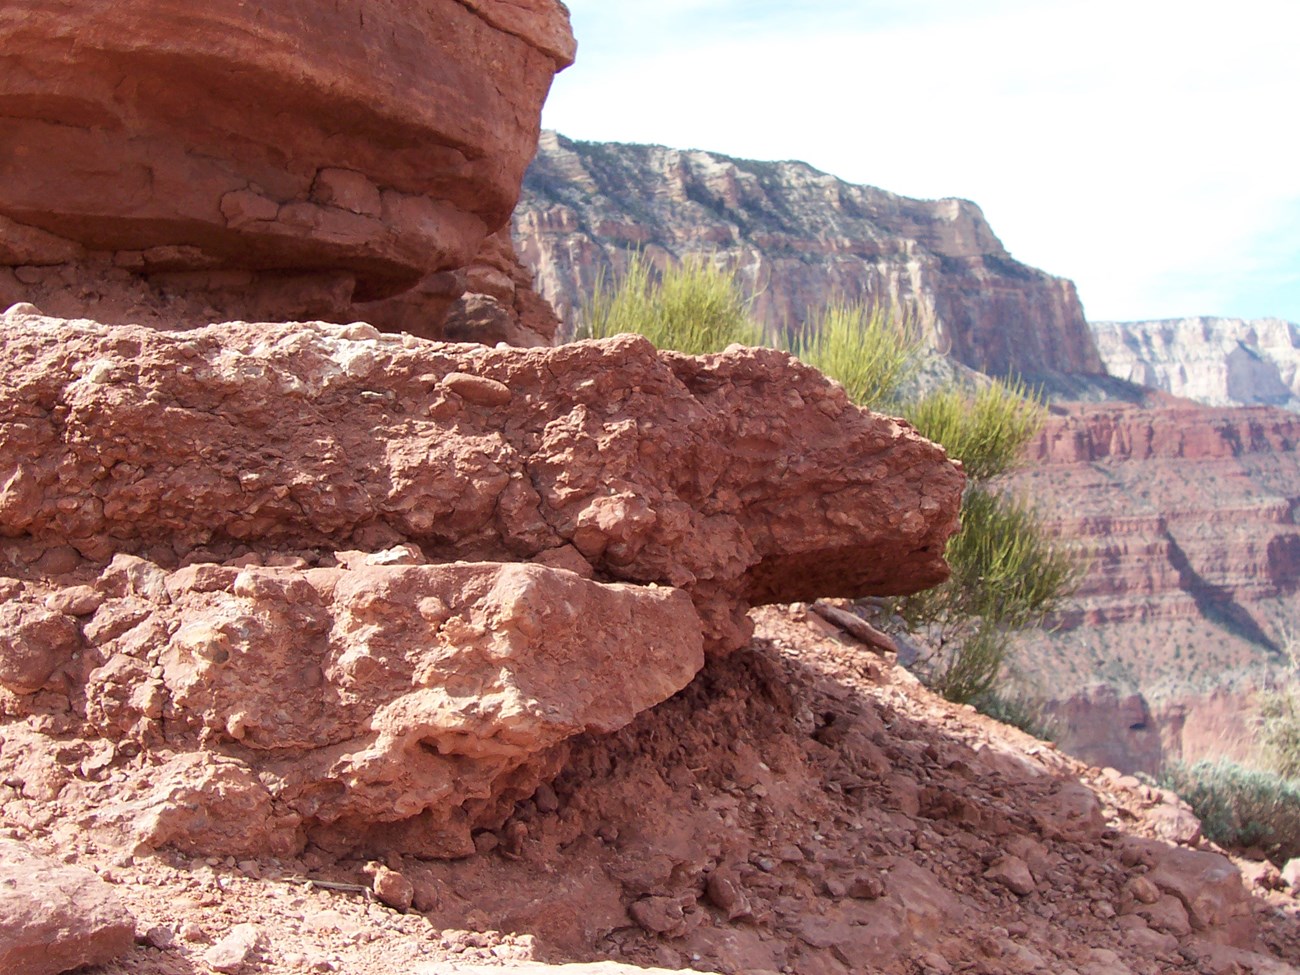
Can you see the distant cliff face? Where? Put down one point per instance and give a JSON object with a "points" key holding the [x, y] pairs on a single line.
{"points": [[1187, 516], [1186, 511], [1216, 361], [797, 236]]}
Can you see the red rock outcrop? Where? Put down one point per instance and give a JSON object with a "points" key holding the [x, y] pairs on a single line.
{"points": [[1187, 516], [649, 467], [280, 159], [383, 701], [1108, 729], [796, 237], [349, 592]]}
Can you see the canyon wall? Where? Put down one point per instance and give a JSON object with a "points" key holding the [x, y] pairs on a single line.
{"points": [[797, 237], [1215, 361], [1187, 517]]}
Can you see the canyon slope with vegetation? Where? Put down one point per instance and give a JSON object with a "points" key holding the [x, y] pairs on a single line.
{"points": [[330, 646]]}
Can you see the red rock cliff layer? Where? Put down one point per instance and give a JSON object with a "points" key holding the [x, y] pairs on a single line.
{"points": [[1187, 515], [797, 237]]}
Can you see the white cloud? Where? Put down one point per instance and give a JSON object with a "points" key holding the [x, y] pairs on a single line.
{"points": [[1134, 146]]}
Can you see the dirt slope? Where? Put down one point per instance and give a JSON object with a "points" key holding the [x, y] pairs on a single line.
{"points": [[803, 806]]}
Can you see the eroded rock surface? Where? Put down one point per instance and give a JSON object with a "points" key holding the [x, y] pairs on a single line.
{"points": [[742, 478], [54, 918], [397, 704], [282, 159], [317, 583]]}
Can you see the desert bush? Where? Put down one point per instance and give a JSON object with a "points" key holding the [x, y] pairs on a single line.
{"points": [[1005, 567], [987, 430], [1240, 807], [1279, 714], [871, 352], [1279, 731], [965, 663], [1007, 574], [693, 307]]}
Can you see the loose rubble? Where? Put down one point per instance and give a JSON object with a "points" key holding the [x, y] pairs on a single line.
{"points": [[802, 806]]}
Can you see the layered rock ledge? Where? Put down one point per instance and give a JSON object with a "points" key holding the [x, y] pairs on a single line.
{"points": [[325, 583], [285, 159]]}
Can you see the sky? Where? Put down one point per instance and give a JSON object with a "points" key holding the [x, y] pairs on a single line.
{"points": [[1147, 149]]}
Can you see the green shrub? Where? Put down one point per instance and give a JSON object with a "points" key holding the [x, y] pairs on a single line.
{"points": [[986, 430], [1279, 731], [692, 307], [1279, 714], [870, 352], [1239, 807], [966, 664], [1006, 568], [1007, 574]]}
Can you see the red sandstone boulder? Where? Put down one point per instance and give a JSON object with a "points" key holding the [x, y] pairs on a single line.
{"points": [[1208, 886], [283, 156], [372, 704]]}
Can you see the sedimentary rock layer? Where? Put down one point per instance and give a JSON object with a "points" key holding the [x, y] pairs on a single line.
{"points": [[282, 155], [798, 237], [1187, 518], [742, 478], [1215, 361], [378, 701]]}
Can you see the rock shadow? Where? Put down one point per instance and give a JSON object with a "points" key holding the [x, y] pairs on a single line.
{"points": [[1217, 603]]}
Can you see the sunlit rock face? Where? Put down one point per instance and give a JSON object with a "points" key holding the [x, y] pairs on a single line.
{"points": [[1215, 361], [797, 236]]}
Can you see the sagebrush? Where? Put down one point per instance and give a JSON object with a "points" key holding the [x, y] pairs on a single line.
{"points": [[693, 307], [869, 351], [1240, 807], [987, 429]]}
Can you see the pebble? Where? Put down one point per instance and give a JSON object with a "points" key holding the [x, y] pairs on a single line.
{"points": [[867, 886], [1143, 890], [546, 799], [160, 936], [1013, 873], [393, 889]]}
